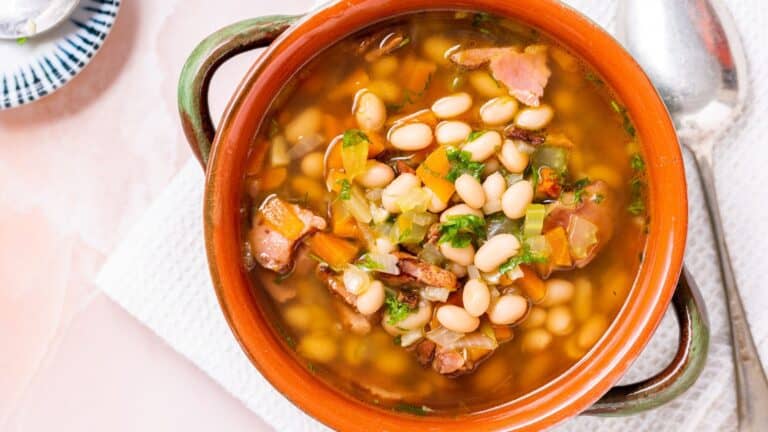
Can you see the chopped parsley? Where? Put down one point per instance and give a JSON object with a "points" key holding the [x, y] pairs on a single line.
{"points": [[412, 409], [579, 189], [628, 126], [479, 20], [346, 189], [524, 257], [637, 185], [461, 230], [369, 263], [461, 163], [396, 309], [22, 40], [353, 137], [594, 78], [475, 135]]}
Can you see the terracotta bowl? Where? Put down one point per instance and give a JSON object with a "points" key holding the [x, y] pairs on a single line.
{"points": [[585, 387]]}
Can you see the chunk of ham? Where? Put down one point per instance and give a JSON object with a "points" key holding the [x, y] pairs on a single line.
{"points": [[272, 250], [594, 215], [417, 273], [525, 74]]}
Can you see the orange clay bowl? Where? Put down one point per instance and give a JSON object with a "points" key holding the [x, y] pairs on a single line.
{"points": [[292, 42]]}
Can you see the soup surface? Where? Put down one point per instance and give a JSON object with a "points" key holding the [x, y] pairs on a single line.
{"points": [[444, 212]]}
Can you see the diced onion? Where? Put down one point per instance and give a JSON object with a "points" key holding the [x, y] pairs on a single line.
{"points": [[355, 280], [435, 294], [305, 145], [386, 263], [474, 340], [444, 337], [379, 214], [416, 199], [357, 205], [538, 246], [411, 337], [582, 236]]}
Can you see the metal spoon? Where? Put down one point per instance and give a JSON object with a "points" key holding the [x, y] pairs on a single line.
{"points": [[26, 18], [692, 53]]}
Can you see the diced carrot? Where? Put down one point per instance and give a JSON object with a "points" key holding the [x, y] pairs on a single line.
{"points": [[376, 144], [417, 74], [531, 284], [354, 82], [433, 171], [273, 177], [332, 126], [281, 217], [334, 179], [549, 183], [342, 222], [503, 333], [334, 250], [305, 186], [333, 158], [559, 255]]}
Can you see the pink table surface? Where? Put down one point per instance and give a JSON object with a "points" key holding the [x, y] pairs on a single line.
{"points": [[76, 171]]}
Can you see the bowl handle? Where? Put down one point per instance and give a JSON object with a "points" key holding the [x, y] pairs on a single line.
{"points": [[206, 58], [680, 374]]}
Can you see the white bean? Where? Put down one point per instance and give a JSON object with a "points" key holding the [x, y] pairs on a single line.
{"points": [[560, 321], [516, 199], [462, 256], [534, 118], [312, 165], [498, 111], [458, 210], [508, 309], [436, 205], [512, 158], [419, 318], [376, 175], [496, 251], [452, 132], [457, 319], [371, 300], [410, 136], [483, 146], [493, 186], [470, 191], [452, 106], [559, 291], [536, 340], [399, 186], [304, 124], [591, 331], [369, 110], [476, 298]]}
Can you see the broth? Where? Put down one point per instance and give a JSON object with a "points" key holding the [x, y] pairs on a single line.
{"points": [[587, 210]]}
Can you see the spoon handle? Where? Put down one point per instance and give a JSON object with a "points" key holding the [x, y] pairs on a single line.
{"points": [[751, 381]]}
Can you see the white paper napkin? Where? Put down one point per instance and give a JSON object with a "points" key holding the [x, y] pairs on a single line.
{"points": [[159, 273]]}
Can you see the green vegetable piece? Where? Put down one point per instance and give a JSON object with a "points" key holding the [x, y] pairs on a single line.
{"points": [[628, 126], [525, 256], [396, 310], [346, 189], [534, 220], [353, 137], [578, 188], [553, 157], [22, 40], [461, 230], [412, 409], [369, 263], [461, 163], [636, 162]]}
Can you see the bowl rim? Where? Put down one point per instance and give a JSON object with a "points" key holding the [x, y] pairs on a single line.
{"points": [[565, 396]]}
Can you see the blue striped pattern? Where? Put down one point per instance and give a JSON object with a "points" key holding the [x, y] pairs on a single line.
{"points": [[80, 39]]}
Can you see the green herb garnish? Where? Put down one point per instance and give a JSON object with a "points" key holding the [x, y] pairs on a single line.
{"points": [[578, 189], [461, 163], [353, 137], [594, 78], [396, 309], [398, 340], [475, 135], [526, 256], [412, 409], [346, 189], [369, 263], [636, 162], [461, 230], [628, 126], [22, 40], [637, 185]]}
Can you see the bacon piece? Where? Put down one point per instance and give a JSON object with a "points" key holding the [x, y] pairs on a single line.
{"points": [[335, 283], [417, 273], [596, 206], [524, 73], [273, 250], [424, 351], [530, 137]]}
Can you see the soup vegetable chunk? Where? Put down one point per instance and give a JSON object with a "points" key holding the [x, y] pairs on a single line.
{"points": [[444, 212]]}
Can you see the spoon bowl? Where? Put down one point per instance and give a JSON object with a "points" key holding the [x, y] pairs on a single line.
{"points": [[27, 18]]}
